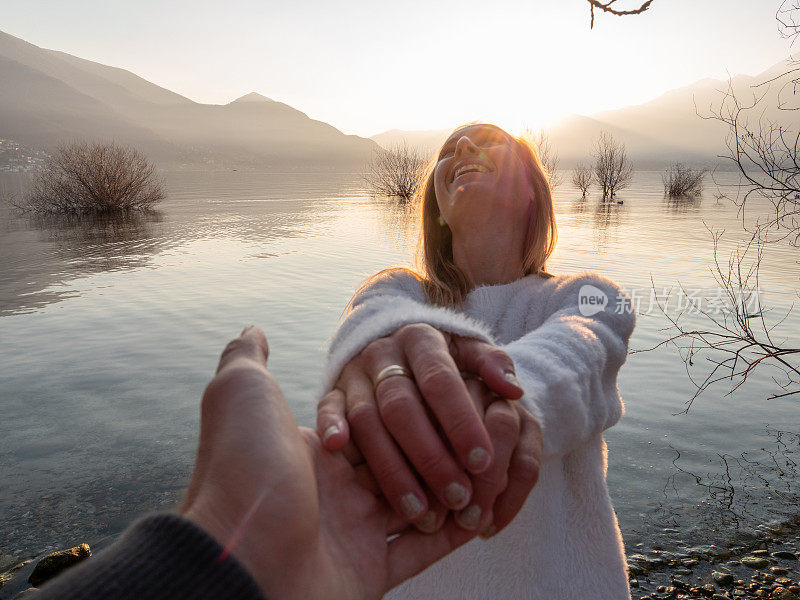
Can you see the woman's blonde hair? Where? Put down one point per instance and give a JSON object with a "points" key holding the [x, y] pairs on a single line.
{"points": [[445, 284]]}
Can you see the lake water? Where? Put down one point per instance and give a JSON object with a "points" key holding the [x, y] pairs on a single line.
{"points": [[110, 331]]}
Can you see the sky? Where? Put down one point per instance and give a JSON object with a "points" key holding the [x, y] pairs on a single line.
{"points": [[366, 67]]}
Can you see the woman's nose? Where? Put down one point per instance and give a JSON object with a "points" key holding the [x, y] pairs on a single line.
{"points": [[465, 145]]}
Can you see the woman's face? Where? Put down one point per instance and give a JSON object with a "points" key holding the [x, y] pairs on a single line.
{"points": [[480, 179]]}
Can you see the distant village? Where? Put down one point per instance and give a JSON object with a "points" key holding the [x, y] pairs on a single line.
{"points": [[20, 159]]}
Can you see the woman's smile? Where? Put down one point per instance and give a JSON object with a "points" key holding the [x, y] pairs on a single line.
{"points": [[466, 168], [479, 179]]}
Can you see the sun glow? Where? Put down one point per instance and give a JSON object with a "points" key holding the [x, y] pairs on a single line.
{"points": [[366, 68]]}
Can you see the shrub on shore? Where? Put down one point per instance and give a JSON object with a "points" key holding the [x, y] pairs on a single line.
{"points": [[679, 180], [103, 178]]}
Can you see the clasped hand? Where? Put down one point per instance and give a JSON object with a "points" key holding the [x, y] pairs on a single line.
{"points": [[293, 514], [436, 443]]}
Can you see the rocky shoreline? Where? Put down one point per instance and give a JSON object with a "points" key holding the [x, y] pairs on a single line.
{"points": [[761, 564]]}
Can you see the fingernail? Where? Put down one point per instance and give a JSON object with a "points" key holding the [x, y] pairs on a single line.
{"points": [[470, 517], [245, 330], [456, 495], [512, 379], [478, 459], [428, 522], [411, 506], [488, 532], [332, 430]]}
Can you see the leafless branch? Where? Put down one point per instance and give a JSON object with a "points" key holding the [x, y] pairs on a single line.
{"points": [[607, 8], [766, 151], [740, 340]]}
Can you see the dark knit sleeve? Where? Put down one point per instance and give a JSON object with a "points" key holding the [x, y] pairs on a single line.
{"points": [[160, 556]]}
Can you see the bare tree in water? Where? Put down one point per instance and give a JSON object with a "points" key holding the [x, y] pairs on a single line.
{"points": [[582, 178], [682, 181], [395, 171], [102, 178], [613, 170]]}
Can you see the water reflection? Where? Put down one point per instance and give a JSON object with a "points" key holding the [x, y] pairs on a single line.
{"points": [[732, 493], [579, 205], [399, 219], [608, 214], [93, 244], [41, 254], [682, 204], [602, 217]]}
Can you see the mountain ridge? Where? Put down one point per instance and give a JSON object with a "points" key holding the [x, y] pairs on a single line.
{"points": [[51, 97], [251, 97], [664, 129]]}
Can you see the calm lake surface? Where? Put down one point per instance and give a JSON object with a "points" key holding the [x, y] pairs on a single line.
{"points": [[109, 333]]}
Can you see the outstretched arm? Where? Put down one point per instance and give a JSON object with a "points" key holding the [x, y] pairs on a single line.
{"points": [[569, 364], [265, 496], [387, 303]]}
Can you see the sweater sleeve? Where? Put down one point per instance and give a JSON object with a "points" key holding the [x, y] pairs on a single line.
{"points": [[385, 304], [162, 556], [568, 365]]}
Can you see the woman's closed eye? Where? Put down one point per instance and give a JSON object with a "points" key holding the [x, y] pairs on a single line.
{"points": [[448, 151]]}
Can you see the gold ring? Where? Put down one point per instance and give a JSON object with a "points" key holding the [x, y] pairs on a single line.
{"points": [[391, 371]]}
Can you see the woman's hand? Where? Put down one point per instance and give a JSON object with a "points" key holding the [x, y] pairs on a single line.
{"points": [[499, 493], [398, 418]]}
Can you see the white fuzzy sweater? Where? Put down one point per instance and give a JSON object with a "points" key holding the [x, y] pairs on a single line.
{"points": [[565, 543]]}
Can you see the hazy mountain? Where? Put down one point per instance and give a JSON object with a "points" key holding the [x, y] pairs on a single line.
{"points": [[39, 110], [49, 97], [666, 129], [252, 97]]}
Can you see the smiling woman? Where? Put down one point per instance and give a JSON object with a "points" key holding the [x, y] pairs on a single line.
{"points": [[484, 179], [447, 386]]}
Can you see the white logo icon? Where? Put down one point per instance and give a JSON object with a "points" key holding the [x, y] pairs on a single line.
{"points": [[591, 300]]}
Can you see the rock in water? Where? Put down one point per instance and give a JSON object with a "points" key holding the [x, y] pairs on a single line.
{"points": [[52, 564]]}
